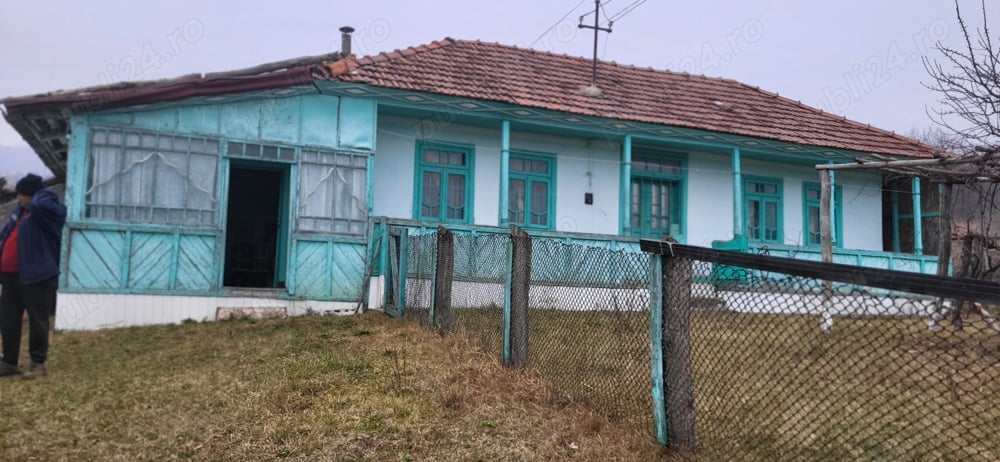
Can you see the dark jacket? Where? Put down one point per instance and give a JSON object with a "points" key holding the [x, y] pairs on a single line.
{"points": [[39, 238]]}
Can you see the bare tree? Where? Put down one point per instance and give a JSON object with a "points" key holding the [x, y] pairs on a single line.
{"points": [[968, 82]]}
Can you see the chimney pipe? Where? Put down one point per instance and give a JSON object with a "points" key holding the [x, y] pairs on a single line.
{"points": [[345, 40]]}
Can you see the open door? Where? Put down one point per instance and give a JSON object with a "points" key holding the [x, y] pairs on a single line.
{"points": [[256, 225]]}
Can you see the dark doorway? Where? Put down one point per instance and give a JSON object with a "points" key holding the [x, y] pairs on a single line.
{"points": [[255, 226]]}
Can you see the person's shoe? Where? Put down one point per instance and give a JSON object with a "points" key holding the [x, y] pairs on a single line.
{"points": [[7, 370], [35, 371]]}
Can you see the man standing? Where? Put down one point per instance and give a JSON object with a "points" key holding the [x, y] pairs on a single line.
{"points": [[29, 269]]}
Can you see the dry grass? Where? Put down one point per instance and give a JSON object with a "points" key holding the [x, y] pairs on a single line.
{"points": [[310, 388], [772, 387]]}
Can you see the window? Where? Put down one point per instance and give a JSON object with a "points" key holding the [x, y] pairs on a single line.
{"points": [[444, 182], [530, 190], [151, 178], [657, 196], [762, 201], [333, 192], [810, 214]]}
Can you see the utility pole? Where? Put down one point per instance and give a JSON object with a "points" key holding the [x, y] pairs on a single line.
{"points": [[592, 90]]}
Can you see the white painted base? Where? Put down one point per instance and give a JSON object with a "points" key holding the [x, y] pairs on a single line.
{"points": [[76, 311]]}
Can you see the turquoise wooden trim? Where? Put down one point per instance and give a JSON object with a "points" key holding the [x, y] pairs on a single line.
{"points": [[468, 171], [504, 209], [918, 234], [738, 224], [222, 213], [76, 167], [322, 237], [508, 267], [357, 123], [680, 191], [370, 185], [528, 178], [290, 277], [126, 257], [778, 198], [836, 216], [141, 227], [625, 188], [658, 390], [894, 206], [175, 253], [328, 280], [835, 228], [404, 237], [286, 220]]}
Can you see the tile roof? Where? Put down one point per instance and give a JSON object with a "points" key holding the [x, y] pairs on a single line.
{"points": [[526, 77]]}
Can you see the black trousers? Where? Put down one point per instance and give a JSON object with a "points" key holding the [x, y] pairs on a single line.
{"points": [[39, 300]]}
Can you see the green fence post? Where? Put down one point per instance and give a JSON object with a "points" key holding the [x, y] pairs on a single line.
{"points": [[404, 238], [656, 347]]}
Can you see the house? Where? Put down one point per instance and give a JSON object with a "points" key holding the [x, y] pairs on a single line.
{"points": [[271, 188]]}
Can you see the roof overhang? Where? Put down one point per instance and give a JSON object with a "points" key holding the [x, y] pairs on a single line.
{"points": [[43, 120], [435, 109]]}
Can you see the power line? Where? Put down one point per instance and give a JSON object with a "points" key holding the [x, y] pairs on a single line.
{"points": [[556, 23], [624, 11]]}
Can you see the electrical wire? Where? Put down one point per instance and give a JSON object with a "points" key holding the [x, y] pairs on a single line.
{"points": [[553, 26]]}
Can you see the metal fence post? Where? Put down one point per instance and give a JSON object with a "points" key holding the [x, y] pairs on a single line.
{"points": [[442, 279], [517, 313], [678, 384]]}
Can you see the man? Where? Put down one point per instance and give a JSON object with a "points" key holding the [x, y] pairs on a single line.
{"points": [[29, 269]]}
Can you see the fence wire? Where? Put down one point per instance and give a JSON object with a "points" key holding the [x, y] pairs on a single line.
{"points": [[782, 367], [785, 370]]}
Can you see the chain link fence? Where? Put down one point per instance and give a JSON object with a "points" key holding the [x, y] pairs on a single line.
{"points": [[584, 322], [742, 358], [795, 360]]}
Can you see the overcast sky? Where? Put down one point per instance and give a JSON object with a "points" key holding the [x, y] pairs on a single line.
{"points": [[858, 58]]}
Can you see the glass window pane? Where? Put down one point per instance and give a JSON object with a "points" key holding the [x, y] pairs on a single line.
{"points": [[753, 219], [539, 202], [813, 226], [771, 220], [539, 166], [457, 158], [456, 197], [516, 165], [430, 155], [431, 195], [516, 200]]}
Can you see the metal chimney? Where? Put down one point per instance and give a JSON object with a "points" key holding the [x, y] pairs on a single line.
{"points": [[345, 40]]}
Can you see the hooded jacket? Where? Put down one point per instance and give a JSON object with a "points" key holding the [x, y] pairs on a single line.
{"points": [[39, 237]]}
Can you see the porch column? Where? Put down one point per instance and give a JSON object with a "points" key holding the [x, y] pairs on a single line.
{"points": [[504, 173], [625, 193], [918, 234], [833, 207], [737, 195]]}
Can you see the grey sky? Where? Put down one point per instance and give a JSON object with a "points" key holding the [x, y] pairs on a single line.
{"points": [[858, 58]]}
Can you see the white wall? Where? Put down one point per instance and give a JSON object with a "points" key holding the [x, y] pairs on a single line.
{"points": [[582, 166], [593, 165]]}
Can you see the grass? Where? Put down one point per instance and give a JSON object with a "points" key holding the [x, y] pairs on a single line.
{"points": [[366, 387], [772, 387]]}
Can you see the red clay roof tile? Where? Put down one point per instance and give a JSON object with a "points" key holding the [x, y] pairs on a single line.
{"points": [[526, 77]]}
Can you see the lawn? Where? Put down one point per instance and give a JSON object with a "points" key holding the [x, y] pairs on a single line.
{"points": [[366, 387]]}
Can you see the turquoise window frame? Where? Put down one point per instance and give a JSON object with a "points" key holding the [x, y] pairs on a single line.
{"points": [[466, 170], [751, 194], [678, 207], [529, 178], [838, 214]]}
